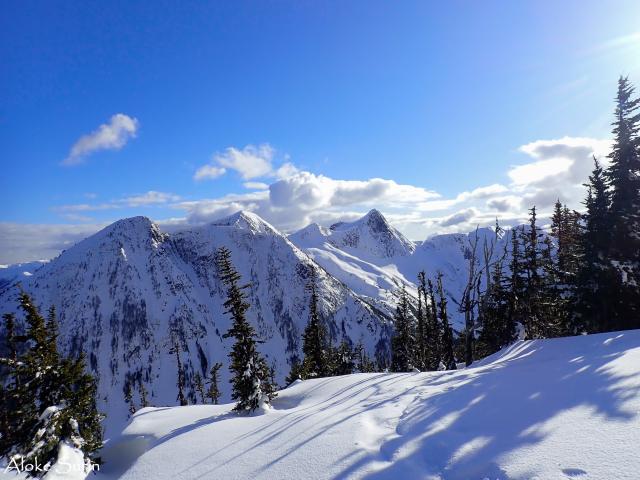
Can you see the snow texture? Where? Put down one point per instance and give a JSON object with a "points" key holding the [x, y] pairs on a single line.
{"points": [[565, 408]]}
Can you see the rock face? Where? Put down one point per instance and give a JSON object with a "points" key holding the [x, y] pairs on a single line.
{"points": [[123, 293]]}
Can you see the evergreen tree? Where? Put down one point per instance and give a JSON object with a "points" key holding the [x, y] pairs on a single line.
{"points": [[434, 331], [144, 401], [447, 359], [295, 373], [623, 178], [422, 334], [128, 397], [250, 374], [314, 346], [198, 386], [344, 364], [498, 329], [213, 392], [363, 363], [17, 408], [402, 342], [176, 350], [595, 278], [56, 397]]}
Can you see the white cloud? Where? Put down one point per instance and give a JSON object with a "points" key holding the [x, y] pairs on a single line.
{"points": [[255, 185], [29, 242], [209, 172], [250, 162], [457, 218], [108, 136], [150, 198], [147, 199]]}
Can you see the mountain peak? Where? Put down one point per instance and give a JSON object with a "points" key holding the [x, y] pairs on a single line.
{"points": [[372, 233], [376, 221], [246, 220]]}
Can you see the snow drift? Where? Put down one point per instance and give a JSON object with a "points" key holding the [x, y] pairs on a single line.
{"points": [[547, 409]]}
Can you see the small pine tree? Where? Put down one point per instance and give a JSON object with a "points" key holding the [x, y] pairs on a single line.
{"points": [[295, 373], [434, 339], [250, 373], [402, 342], [128, 397], [198, 386], [213, 392], [448, 358], [363, 363], [144, 400], [344, 359]]}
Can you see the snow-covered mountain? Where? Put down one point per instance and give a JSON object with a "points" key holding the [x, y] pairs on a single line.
{"points": [[12, 273], [374, 259], [123, 292], [565, 408]]}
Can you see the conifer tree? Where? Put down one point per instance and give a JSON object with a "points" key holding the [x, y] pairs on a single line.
{"points": [[498, 330], [176, 350], [144, 400], [363, 363], [213, 392], [344, 364], [402, 342], [448, 359], [422, 335], [128, 397], [434, 342], [295, 373], [623, 179], [250, 374], [314, 346], [198, 386], [56, 397], [595, 278]]}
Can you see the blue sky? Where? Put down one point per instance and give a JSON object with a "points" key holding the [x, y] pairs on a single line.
{"points": [[424, 110]]}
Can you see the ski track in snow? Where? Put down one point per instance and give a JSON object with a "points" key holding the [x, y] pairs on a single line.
{"points": [[547, 409]]}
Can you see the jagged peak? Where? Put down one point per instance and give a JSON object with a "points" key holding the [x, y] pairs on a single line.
{"points": [[246, 220], [311, 232], [139, 227]]}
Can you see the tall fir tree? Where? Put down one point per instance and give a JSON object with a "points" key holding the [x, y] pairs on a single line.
{"points": [[314, 338], [251, 387], [623, 179], [596, 279]]}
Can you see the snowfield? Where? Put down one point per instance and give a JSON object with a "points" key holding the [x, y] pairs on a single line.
{"points": [[564, 408]]}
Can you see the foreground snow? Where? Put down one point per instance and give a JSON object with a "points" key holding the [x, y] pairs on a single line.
{"points": [[551, 409]]}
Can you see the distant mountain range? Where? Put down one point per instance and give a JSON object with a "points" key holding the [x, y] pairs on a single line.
{"points": [[122, 292]]}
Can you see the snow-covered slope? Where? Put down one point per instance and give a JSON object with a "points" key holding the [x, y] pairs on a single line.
{"points": [[122, 293], [565, 408], [373, 259], [12, 273]]}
